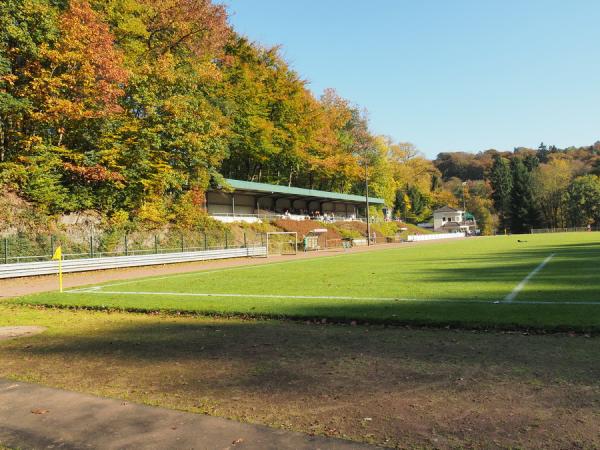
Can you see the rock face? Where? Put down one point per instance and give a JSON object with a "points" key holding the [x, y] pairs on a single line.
{"points": [[17, 332]]}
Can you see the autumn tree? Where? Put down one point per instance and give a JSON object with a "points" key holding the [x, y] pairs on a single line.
{"points": [[583, 201], [172, 127], [465, 166], [70, 83], [550, 183]]}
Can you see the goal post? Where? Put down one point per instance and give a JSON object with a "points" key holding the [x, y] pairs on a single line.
{"points": [[282, 243]]}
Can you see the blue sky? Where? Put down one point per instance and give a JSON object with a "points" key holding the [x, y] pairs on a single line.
{"points": [[447, 74]]}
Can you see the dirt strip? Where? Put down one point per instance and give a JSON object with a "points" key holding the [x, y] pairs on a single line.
{"points": [[30, 285]]}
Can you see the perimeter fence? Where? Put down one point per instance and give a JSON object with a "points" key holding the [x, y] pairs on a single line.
{"points": [[23, 247], [564, 230]]}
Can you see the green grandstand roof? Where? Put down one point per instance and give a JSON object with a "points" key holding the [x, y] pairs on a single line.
{"points": [[300, 192]]}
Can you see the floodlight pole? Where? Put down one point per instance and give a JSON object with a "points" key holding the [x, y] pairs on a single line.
{"points": [[367, 202]]}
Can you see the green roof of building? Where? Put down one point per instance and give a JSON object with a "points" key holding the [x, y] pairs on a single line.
{"points": [[300, 192]]}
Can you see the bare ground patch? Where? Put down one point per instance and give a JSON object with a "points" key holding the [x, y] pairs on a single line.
{"points": [[19, 331], [398, 387]]}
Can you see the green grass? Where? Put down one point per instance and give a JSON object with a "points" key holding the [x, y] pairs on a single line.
{"points": [[451, 283]]}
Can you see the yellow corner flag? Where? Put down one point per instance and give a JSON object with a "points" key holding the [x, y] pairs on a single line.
{"points": [[58, 257], [57, 254]]}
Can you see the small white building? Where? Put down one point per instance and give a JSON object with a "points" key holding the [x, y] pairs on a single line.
{"points": [[447, 219]]}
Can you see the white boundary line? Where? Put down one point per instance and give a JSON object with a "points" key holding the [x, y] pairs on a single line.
{"points": [[302, 297], [324, 297], [541, 302], [510, 297]]}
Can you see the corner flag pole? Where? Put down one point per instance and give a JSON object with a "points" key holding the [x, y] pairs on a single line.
{"points": [[58, 257]]}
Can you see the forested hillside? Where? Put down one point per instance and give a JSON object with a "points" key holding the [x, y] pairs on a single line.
{"points": [[130, 109], [528, 188]]}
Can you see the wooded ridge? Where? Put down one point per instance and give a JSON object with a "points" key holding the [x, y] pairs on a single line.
{"points": [[133, 108]]}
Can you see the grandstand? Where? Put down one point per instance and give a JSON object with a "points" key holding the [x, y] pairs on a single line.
{"points": [[251, 202]]}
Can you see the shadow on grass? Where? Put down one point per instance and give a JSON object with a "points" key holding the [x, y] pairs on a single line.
{"points": [[323, 379], [287, 356], [571, 275]]}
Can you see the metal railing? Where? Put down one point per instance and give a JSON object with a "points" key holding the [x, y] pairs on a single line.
{"points": [[87, 264]]}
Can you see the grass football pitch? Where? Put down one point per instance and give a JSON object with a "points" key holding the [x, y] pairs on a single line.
{"points": [[549, 281]]}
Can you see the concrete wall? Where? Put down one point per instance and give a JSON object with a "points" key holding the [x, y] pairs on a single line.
{"points": [[281, 204], [245, 204], [218, 203], [224, 203], [266, 204], [341, 209]]}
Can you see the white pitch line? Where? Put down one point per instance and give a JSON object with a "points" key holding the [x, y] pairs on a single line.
{"points": [[541, 302], [323, 297], [82, 290], [301, 297], [510, 297], [205, 294]]}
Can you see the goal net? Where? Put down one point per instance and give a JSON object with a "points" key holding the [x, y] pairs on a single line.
{"points": [[282, 243]]}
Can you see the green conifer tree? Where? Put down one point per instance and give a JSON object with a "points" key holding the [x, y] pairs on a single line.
{"points": [[524, 213], [502, 183]]}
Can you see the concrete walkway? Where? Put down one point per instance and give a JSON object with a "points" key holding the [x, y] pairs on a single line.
{"points": [[36, 417]]}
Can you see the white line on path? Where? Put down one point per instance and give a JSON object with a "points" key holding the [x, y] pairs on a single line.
{"points": [[510, 297]]}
